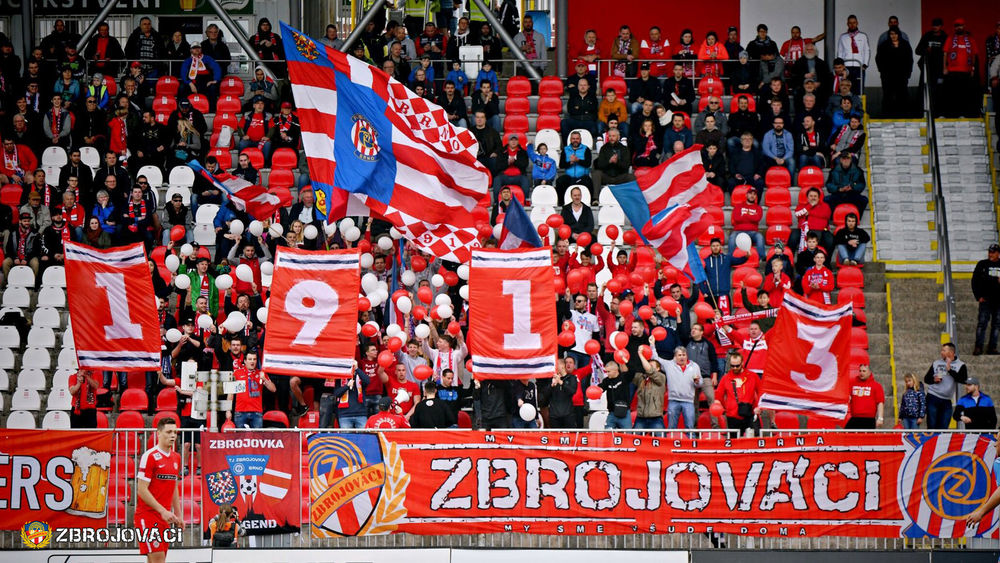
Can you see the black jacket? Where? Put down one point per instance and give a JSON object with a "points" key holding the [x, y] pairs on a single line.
{"points": [[456, 106], [584, 108], [561, 401], [432, 413], [986, 281], [489, 142], [584, 224]]}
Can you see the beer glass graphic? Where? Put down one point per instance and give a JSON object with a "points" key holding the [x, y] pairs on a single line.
{"points": [[90, 483]]}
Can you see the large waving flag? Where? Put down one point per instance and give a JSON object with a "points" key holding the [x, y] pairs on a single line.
{"points": [[667, 208], [246, 196], [517, 231], [365, 133]]}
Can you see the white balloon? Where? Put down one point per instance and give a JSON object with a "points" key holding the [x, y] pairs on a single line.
{"points": [[375, 298], [205, 322], [186, 249], [330, 229], [404, 305], [359, 328], [442, 299], [445, 311], [266, 268], [408, 277], [256, 228], [422, 331], [463, 272], [173, 335], [310, 232], [345, 225], [366, 260], [352, 234], [244, 273], [395, 233], [369, 283], [224, 282], [393, 330], [235, 322], [528, 412], [402, 396], [385, 243], [262, 315], [172, 263], [383, 286], [743, 242], [182, 281], [497, 229], [612, 339], [276, 230], [236, 227], [464, 292], [437, 280]]}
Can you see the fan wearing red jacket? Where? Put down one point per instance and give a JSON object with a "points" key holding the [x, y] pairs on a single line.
{"points": [[560, 258], [157, 484], [746, 218], [588, 264], [655, 48], [813, 215], [737, 386], [776, 283], [817, 282], [754, 349], [960, 61], [16, 163], [385, 419]]}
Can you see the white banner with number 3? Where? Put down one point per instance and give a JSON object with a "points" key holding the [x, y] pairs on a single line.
{"points": [[313, 313], [112, 308]]}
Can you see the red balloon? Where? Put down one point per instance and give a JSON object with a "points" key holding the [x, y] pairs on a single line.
{"points": [[565, 232], [645, 312], [670, 304], [629, 236], [395, 344], [422, 372], [625, 308], [559, 285], [594, 393], [648, 274], [543, 230], [386, 359], [364, 304], [364, 246], [622, 356], [621, 341], [425, 294], [484, 229], [575, 279], [500, 217], [468, 365], [369, 330], [418, 264], [670, 274], [566, 339], [418, 312], [568, 326], [612, 232], [646, 351], [177, 233], [703, 310], [434, 314], [753, 279], [450, 278], [636, 279], [597, 249], [717, 409], [592, 347], [454, 328], [614, 286], [659, 333], [555, 220], [480, 213], [399, 293], [583, 239]]}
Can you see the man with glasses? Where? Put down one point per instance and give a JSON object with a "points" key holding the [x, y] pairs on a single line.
{"points": [[90, 127], [713, 109], [738, 387]]}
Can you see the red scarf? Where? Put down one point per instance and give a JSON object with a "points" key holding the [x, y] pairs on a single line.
{"points": [[57, 121], [12, 162], [22, 242], [855, 133], [206, 287], [134, 227]]}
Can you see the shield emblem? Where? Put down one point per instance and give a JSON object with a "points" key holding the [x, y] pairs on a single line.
{"points": [[347, 475], [221, 487]]}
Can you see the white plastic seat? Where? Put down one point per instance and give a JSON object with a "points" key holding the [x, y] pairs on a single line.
{"points": [[204, 233], [67, 360], [36, 358], [5, 310], [611, 215], [52, 296], [606, 197], [6, 358], [472, 58], [183, 191], [206, 214], [545, 196], [50, 173], [25, 399], [54, 156], [91, 157], [67, 337], [4, 382], [56, 420], [21, 276], [21, 420], [586, 139], [552, 140], [54, 275], [31, 378], [61, 378], [539, 213], [16, 297], [153, 175], [9, 337], [584, 194], [42, 336], [59, 400], [180, 176]]}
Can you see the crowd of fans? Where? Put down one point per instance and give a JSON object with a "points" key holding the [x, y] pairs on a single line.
{"points": [[790, 109]]}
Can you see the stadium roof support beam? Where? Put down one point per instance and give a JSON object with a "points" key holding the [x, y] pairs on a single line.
{"points": [[92, 26], [361, 25], [830, 29], [237, 32], [508, 40], [562, 32]]}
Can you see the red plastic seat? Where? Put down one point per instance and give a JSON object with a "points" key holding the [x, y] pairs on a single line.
{"points": [[713, 231], [748, 275], [281, 178], [111, 85], [164, 104], [515, 123], [123, 466], [550, 86], [199, 102], [517, 193], [718, 199], [753, 259], [778, 216], [167, 86], [811, 177], [853, 295], [778, 196], [133, 400], [228, 104], [225, 118], [224, 157], [273, 419], [850, 276], [284, 194], [518, 86], [548, 122], [162, 117], [751, 295], [786, 420], [841, 212], [284, 158], [777, 177], [516, 106], [102, 420], [859, 338], [617, 84], [308, 420], [859, 356], [10, 194], [521, 136], [464, 420], [705, 421], [165, 414], [735, 106], [717, 214], [255, 155], [550, 106], [231, 86], [130, 419], [739, 194], [710, 86], [166, 400]]}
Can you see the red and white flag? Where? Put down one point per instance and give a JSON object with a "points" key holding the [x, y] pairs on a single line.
{"points": [[112, 307], [512, 314], [810, 375], [313, 313], [246, 196]]}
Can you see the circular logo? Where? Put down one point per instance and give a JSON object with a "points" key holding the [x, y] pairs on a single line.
{"points": [[238, 468], [365, 139], [956, 484]]}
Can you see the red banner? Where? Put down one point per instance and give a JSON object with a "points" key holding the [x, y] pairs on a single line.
{"points": [[113, 308], [61, 480], [512, 314], [865, 485], [313, 313], [256, 472]]}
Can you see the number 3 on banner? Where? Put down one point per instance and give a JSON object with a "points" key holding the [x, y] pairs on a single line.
{"points": [[820, 339], [313, 302], [121, 324], [522, 338]]}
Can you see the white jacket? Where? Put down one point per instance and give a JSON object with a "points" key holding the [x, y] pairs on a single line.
{"points": [[844, 51]]}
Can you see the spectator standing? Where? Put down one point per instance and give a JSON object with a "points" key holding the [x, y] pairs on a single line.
{"points": [[854, 49], [761, 44], [432, 412], [657, 48], [702, 353], [351, 409], [913, 405], [214, 45], [941, 380], [986, 290], [248, 406], [683, 379], [961, 89], [532, 44], [104, 53], [678, 92], [563, 387], [386, 419], [867, 404], [616, 389], [83, 387], [146, 46], [894, 59], [930, 49], [739, 387], [624, 51], [817, 281], [975, 410]]}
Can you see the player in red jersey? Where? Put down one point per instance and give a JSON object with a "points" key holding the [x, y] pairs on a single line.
{"points": [[158, 481]]}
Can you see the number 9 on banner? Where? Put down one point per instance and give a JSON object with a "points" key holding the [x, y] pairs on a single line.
{"points": [[313, 302]]}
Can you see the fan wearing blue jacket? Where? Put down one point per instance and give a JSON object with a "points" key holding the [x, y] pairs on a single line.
{"points": [[543, 169], [718, 271]]}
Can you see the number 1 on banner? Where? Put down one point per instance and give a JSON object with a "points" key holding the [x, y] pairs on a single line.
{"points": [[121, 324], [522, 338]]}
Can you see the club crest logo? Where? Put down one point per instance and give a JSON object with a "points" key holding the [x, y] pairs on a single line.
{"points": [[354, 489], [365, 138], [221, 487], [36, 534], [305, 46]]}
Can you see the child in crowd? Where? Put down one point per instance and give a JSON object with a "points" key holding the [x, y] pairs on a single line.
{"points": [[458, 76], [913, 405], [544, 169], [487, 74]]}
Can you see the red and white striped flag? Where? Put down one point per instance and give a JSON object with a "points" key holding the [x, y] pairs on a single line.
{"points": [[255, 200]]}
